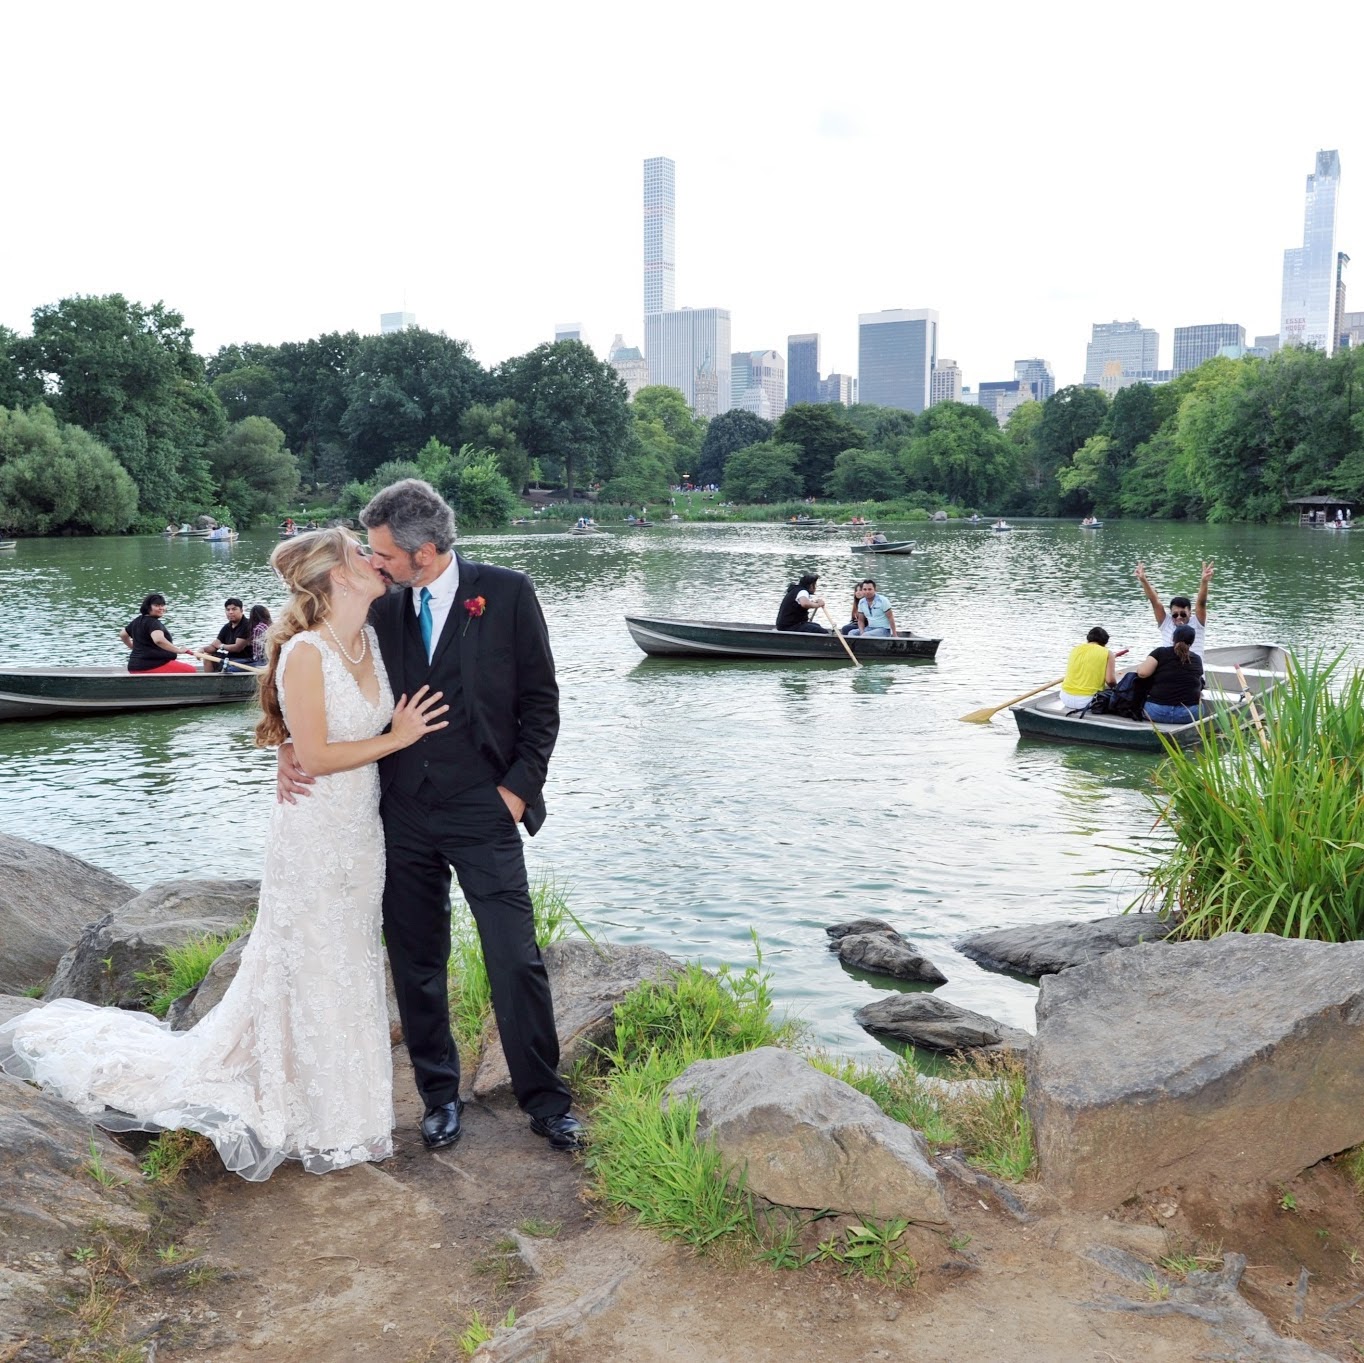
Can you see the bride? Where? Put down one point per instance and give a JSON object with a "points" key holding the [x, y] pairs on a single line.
{"points": [[294, 1062]]}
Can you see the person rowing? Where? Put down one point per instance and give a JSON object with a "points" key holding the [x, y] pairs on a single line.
{"points": [[798, 605]]}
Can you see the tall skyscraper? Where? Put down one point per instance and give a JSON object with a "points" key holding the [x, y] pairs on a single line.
{"points": [[569, 331], [802, 368], [1352, 328], [1135, 350], [1338, 322], [896, 352], [1003, 397], [396, 321], [660, 235], [688, 349], [840, 389], [1194, 345], [1307, 315], [946, 385], [757, 383], [631, 367], [1037, 375]]}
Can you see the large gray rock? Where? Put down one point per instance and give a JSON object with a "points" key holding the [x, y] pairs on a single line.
{"points": [[103, 966], [12, 1005], [191, 1008], [936, 1025], [46, 898], [49, 1188], [587, 980], [1240, 1059], [1037, 949], [855, 928], [809, 1140], [887, 953]]}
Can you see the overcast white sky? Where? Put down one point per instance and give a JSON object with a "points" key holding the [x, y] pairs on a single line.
{"points": [[274, 171]]}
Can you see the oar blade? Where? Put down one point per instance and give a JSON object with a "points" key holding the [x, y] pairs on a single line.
{"points": [[985, 716]]}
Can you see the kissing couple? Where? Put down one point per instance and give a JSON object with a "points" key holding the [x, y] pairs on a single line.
{"points": [[378, 802]]}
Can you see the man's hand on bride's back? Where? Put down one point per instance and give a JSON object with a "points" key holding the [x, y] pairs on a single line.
{"points": [[415, 718], [290, 779]]}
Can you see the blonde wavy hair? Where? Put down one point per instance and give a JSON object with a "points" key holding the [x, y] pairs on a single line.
{"points": [[305, 563]]}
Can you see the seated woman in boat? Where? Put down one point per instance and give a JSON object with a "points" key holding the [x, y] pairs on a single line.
{"points": [[798, 604], [147, 636], [1090, 669], [260, 623], [1175, 695]]}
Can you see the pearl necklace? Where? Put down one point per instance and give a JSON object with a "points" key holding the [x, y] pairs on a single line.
{"points": [[364, 645]]}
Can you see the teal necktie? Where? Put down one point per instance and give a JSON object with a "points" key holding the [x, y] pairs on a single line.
{"points": [[424, 617]]}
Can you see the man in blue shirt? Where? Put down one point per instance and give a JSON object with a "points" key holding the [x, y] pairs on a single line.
{"points": [[872, 612]]}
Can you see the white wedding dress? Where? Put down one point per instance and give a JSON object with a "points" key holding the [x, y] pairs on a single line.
{"points": [[294, 1062]]}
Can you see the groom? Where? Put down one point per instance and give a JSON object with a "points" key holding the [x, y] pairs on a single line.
{"points": [[458, 797]]}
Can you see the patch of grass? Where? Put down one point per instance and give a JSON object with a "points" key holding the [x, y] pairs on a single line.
{"points": [[871, 1250], [1155, 1289], [1185, 1263], [172, 1254], [182, 968], [1287, 1202], [478, 1332], [502, 1263], [985, 1116], [201, 1275], [540, 1230], [471, 1003], [1269, 837], [1354, 1166], [172, 1152], [94, 1166], [35, 991], [646, 1157]]}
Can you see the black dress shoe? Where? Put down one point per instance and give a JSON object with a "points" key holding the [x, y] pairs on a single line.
{"points": [[564, 1132], [440, 1125]]}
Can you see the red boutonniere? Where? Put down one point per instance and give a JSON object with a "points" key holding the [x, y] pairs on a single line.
{"points": [[475, 605]]}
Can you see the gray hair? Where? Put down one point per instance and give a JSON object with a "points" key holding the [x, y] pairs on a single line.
{"points": [[415, 514]]}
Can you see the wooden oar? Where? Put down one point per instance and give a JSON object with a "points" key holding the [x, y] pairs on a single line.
{"points": [[1254, 713], [847, 647], [984, 716]]}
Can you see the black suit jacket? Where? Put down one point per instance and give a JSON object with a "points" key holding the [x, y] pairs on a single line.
{"points": [[506, 669]]}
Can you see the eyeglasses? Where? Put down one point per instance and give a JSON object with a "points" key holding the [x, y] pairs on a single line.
{"points": [[1179, 615]]}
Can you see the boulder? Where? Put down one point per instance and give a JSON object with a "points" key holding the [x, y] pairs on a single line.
{"points": [[587, 980], [882, 953], [936, 1025], [856, 927], [1037, 949], [47, 898], [808, 1140], [11, 1005], [103, 966], [51, 1155], [1176, 1063], [192, 1007]]}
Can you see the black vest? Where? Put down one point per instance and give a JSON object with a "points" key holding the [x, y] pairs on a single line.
{"points": [[449, 759], [790, 615]]}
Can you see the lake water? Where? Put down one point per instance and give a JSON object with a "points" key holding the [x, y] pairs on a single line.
{"points": [[692, 804]]}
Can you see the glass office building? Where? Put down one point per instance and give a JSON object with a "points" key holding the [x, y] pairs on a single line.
{"points": [[688, 349], [660, 235], [802, 369], [1307, 316], [1194, 345], [896, 353]]}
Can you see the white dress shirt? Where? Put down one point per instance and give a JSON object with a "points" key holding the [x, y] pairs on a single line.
{"points": [[443, 592]]}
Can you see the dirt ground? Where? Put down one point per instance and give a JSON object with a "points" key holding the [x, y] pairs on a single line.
{"points": [[388, 1264]]}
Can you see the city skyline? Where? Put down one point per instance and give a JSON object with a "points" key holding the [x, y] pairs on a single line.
{"points": [[493, 238]]}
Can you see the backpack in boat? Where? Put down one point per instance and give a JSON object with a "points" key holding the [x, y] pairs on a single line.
{"points": [[1126, 700]]}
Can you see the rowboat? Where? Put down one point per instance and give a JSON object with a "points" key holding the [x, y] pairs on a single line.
{"points": [[806, 522], [670, 638], [79, 692], [1001, 529], [1263, 666], [1091, 525], [889, 547], [9, 544]]}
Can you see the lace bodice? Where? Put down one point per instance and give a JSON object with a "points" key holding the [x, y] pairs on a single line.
{"points": [[350, 715]]}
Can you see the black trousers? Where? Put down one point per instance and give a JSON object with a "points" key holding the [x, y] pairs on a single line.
{"points": [[474, 833]]}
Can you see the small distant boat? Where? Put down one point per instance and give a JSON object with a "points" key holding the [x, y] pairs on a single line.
{"points": [[1264, 666], [8, 544], [586, 528], [886, 547], [1091, 525], [79, 692], [662, 637], [522, 520], [806, 522], [224, 534], [638, 523], [1001, 527]]}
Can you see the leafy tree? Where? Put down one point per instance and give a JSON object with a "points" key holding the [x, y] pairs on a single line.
{"points": [[497, 427], [19, 387], [473, 484], [56, 477], [129, 375], [866, 476], [403, 388], [730, 431], [763, 473], [313, 379], [883, 428], [1069, 417], [256, 475], [644, 475], [573, 408], [1093, 474], [821, 432], [960, 453]]}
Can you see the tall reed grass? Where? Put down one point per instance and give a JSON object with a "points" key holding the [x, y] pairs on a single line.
{"points": [[1269, 832]]}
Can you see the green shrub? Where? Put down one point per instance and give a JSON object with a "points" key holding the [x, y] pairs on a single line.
{"points": [[179, 969]]}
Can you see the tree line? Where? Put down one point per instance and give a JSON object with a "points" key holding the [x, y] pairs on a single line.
{"points": [[110, 420]]}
